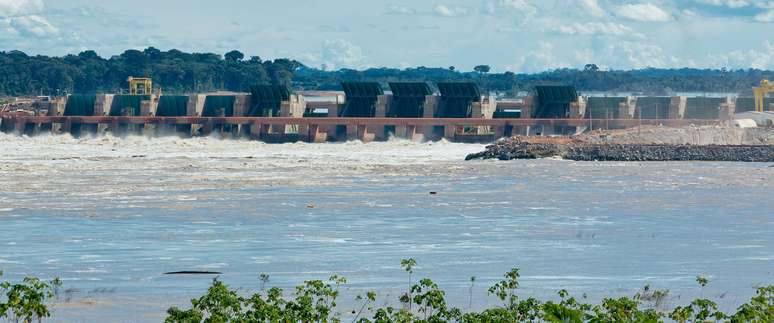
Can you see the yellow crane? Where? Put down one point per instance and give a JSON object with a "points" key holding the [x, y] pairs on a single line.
{"points": [[141, 86], [760, 92]]}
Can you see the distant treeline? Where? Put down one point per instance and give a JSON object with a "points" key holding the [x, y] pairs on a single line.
{"points": [[179, 72], [174, 71]]}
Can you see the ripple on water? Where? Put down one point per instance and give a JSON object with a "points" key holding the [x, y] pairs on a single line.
{"points": [[205, 205]]}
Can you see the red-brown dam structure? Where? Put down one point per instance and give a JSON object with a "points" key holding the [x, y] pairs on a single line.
{"points": [[363, 111]]}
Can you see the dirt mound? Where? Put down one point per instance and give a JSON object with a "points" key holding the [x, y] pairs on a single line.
{"points": [[650, 143], [694, 135]]}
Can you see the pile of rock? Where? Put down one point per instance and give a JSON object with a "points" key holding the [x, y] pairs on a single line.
{"points": [[516, 149], [635, 152]]}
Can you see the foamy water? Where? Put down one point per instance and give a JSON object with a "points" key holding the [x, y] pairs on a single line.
{"points": [[110, 215], [395, 151]]}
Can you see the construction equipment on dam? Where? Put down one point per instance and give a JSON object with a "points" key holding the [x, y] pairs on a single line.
{"points": [[760, 93], [140, 86], [455, 111]]}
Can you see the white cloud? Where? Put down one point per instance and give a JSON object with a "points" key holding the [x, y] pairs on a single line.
{"points": [[336, 54], [593, 8], [20, 18], [6, 31], [627, 54], [585, 56], [522, 7], [760, 59], [33, 25], [447, 11], [596, 28], [764, 4], [511, 15], [647, 12], [726, 3], [11, 8], [767, 16], [395, 9], [688, 13], [539, 60], [598, 32], [737, 3], [761, 4], [516, 4]]}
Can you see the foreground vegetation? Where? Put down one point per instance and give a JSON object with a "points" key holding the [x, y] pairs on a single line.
{"points": [[26, 301], [423, 301], [179, 72]]}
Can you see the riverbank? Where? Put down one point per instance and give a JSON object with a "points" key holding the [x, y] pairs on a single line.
{"points": [[515, 148], [648, 143]]}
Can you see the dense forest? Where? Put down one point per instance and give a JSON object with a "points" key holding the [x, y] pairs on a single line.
{"points": [[179, 72], [173, 70]]}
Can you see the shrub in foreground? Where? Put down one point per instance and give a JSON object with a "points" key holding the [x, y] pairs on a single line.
{"points": [[423, 301], [26, 301], [316, 301]]}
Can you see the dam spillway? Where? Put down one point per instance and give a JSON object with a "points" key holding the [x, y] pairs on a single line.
{"points": [[366, 111], [21, 124]]}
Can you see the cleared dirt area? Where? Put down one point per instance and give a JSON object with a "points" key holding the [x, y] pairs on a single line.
{"points": [[643, 144], [696, 135]]}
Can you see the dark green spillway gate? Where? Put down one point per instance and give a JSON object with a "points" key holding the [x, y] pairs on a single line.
{"points": [[457, 99], [127, 105], [172, 106], [408, 99], [652, 107], [604, 107], [361, 99], [267, 100], [219, 106], [506, 114], [554, 101], [81, 105], [703, 108], [748, 104]]}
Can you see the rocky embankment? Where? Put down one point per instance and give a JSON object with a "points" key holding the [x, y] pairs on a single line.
{"points": [[515, 148], [690, 135]]}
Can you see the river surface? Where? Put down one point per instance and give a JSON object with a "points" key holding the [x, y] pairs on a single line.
{"points": [[110, 216]]}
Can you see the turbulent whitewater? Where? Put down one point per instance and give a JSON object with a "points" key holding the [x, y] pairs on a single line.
{"points": [[110, 215]]}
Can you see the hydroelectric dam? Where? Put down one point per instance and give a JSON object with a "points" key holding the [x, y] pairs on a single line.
{"points": [[455, 111]]}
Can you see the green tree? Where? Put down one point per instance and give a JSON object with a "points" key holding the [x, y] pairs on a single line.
{"points": [[760, 309], [316, 301], [505, 289], [408, 266], [234, 56], [482, 69], [593, 68], [26, 301]]}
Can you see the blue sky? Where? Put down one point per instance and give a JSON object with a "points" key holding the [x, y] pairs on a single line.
{"points": [[513, 35]]}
